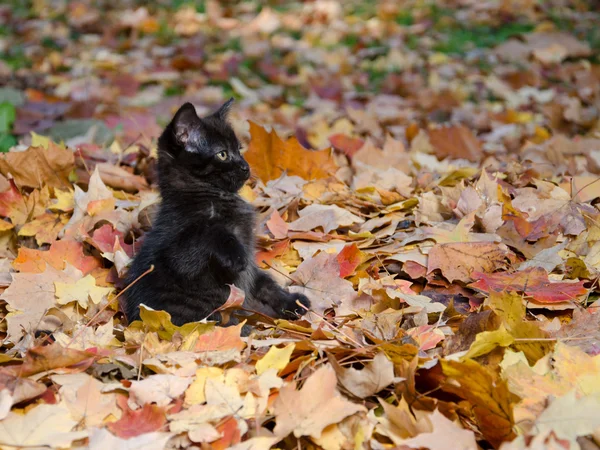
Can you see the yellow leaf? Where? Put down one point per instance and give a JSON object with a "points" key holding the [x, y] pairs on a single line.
{"points": [[39, 141], [45, 228], [491, 401], [276, 358], [82, 290], [160, 322], [487, 341], [195, 395], [64, 201]]}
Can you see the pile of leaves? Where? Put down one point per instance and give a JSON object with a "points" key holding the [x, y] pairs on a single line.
{"points": [[427, 173]]}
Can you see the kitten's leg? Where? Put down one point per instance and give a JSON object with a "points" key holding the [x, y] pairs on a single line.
{"points": [[193, 250], [266, 290]]}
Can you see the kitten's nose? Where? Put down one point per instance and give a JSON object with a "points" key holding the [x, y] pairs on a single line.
{"points": [[246, 169]]}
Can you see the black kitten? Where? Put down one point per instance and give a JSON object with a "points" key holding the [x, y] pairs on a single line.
{"points": [[203, 237]]}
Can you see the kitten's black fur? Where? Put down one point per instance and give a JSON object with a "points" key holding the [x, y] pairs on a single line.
{"points": [[203, 237]]}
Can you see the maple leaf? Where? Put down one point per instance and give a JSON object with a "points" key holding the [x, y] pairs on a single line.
{"points": [[316, 405], [533, 282], [59, 254], [44, 425], [221, 338], [443, 431], [490, 398], [45, 228], [160, 322], [349, 259], [329, 217], [97, 191], [276, 358], [456, 142], [81, 291], [458, 261], [374, 377], [53, 357], [37, 166], [101, 439], [31, 295], [132, 423], [83, 396], [319, 279], [277, 226], [269, 157], [160, 389], [13, 205]]}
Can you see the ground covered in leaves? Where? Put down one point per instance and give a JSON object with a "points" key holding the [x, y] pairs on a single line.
{"points": [[425, 172]]}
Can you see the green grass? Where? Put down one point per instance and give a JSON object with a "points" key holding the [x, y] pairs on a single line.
{"points": [[199, 5], [462, 39]]}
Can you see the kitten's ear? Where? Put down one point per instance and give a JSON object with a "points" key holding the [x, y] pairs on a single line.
{"points": [[223, 111], [184, 121]]}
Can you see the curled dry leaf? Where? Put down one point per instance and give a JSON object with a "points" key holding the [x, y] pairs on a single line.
{"points": [[375, 376]]}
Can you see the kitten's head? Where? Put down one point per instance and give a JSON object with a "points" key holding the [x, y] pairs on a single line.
{"points": [[194, 151]]}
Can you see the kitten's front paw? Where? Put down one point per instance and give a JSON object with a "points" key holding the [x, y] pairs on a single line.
{"points": [[291, 309]]}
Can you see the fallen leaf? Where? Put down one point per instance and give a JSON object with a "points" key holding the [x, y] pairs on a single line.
{"points": [[277, 226], [270, 156], [329, 217], [455, 142], [534, 282], [349, 259], [147, 419], [81, 291], [44, 425], [489, 396], [59, 254], [375, 376], [159, 389], [460, 260], [83, 396], [443, 431], [275, 358], [101, 439], [316, 405], [318, 278]]}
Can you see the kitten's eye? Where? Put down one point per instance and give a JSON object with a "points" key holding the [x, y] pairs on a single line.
{"points": [[222, 156]]}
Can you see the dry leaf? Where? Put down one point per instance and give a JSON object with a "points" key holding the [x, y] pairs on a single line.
{"points": [[269, 157], [316, 405]]}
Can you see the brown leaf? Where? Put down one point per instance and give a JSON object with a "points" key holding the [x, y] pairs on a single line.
{"points": [[456, 142], [55, 358], [319, 279], [38, 166], [489, 396], [306, 412], [374, 377], [269, 156], [459, 260]]}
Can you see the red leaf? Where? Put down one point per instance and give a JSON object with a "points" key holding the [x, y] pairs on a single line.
{"points": [[346, 144], [230, 435], [104, 240], [533, 282], [349, 259], [132, 423]]}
